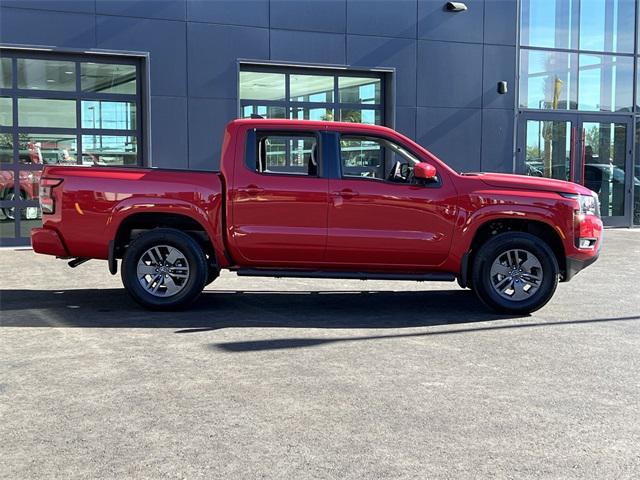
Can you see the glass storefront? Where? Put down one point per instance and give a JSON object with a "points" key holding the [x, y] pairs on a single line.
{"points": [[577, 62], [311, 94], [60, 110]]}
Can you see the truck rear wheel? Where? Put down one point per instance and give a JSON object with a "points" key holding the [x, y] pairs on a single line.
{"points": [[164, 269], [515, 273]]}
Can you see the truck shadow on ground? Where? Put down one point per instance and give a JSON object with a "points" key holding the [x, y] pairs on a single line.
{"points": [[219, 309]]}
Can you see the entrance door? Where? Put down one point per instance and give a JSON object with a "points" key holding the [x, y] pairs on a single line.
{"points": [[593, 150]]}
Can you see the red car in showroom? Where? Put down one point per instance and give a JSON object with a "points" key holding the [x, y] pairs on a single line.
{"points": [[324, 200]]}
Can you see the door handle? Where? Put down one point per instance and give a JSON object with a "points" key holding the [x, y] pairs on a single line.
{"points": [[346, 193], [252, 190]]}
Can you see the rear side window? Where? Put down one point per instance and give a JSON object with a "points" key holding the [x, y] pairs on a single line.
{"points": [[287, 154]]}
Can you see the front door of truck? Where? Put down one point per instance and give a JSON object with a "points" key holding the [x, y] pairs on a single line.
{"points": [[382, 218], [279, 200]]}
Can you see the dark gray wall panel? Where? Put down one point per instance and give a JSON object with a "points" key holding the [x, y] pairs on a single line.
{"points": [[234, 12], [500, 20], [499, 64], [387, 52], [207, 119], [453, 134], [310, 47], [449, 74], [58, 5], [406, 121], [374, 17], [167, 9], [164, 39], [55, 29], [436, 23], [169, 134], [309, 15], [213, 53], [497, 140]]}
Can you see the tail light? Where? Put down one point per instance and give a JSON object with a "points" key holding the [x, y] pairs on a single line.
{"points": [[47, 201]]}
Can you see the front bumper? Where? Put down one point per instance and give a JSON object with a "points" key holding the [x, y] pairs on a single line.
{"points": [[574, 265]]}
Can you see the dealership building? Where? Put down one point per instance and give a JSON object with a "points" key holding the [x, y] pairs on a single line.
{"points": [[539, 87]]}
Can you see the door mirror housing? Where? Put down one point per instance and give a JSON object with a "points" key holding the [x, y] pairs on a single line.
{"points": [[425, 171]]}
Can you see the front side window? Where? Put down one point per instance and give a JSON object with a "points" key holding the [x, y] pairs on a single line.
{"points": [[288, 154], [376, 159]]}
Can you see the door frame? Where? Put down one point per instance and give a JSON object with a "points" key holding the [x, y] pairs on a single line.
{"points": [[577, 119]]}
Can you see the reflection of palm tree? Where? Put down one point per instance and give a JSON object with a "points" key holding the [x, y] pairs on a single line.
{"points": [[353, 116]]}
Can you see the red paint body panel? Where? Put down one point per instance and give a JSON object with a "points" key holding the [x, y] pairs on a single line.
{"points": [[287, 221]]}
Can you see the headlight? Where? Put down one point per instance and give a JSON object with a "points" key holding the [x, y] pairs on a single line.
{"points": [[588, 204]]}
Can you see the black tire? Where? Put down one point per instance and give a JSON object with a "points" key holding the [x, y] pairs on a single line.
{"points": [[213, 272], [496, 247], [191, 251]]}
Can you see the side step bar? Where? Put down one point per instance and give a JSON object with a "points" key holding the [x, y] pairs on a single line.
{"points": [[418, 277]]}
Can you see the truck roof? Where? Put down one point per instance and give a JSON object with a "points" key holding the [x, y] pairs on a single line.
{"points": [[315, 124]]}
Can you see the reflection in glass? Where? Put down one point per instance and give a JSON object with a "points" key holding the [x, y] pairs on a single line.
{"points": [[36, 74], [604, 157], [109, 115], [5, 72], [264, 111], [606, 83], [29, 184], [548, 149], [6, 147], [109, 150], [548, 80], [304, 113], [48, 149], [359, 90], [6, 111], [548, 23], [607, 26], [108, 78], [31, 217], [369, 116], [284, 154], [311, 88], [361, 157], [7, 214], [262, 86], [40, 112]]}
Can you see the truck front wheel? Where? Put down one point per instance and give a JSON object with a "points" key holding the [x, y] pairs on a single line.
{"points": [[515, 273], [164, 269]]}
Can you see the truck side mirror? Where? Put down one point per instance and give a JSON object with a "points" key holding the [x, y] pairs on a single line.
{"points": [[425, 171]]}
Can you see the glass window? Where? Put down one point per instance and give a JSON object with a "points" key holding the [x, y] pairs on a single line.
{"points": [[109, 150], [262, 86], [108, 78], [296, 155], [264, 111], [548, 80], [636, 177], [548, 149], [108, 115], [369, 116], [5, 72], [48, 148], [29, 184], [36, 74], [605, 83], [607, 26], [6, 111], [376, 158], [305, 113], [6, 147], [311, 88], [359, 90], [40, 112], [548, 23], [30, 217]]}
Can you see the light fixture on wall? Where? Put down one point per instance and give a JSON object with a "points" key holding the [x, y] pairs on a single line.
{"points": [[502, 87], [456, 7]]}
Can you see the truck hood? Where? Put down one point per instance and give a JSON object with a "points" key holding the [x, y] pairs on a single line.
{"points": [[525, 182]]}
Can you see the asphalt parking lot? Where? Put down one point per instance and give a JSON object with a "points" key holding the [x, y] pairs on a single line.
{"points": [[292, 379]]}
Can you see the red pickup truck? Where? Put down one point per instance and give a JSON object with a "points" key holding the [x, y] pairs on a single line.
{"points": [[323, 200]]}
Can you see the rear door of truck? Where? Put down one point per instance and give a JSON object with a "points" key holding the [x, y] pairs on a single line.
{"points": [[279, 198]]}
